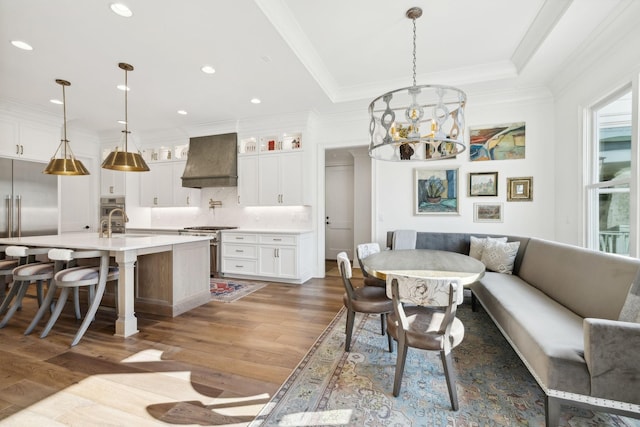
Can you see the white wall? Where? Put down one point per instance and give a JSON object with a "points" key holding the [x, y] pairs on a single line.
{"points": [[392, 186], [603, 69]]}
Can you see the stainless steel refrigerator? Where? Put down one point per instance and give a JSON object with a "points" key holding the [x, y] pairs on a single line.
{"points": [[30, 199]]}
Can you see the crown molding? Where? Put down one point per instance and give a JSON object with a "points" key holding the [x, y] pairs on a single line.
{"points": [[542, 25], [619, 31], [285, 23]]}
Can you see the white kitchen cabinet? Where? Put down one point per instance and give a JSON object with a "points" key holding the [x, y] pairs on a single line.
{"points": [[280, 181], [277, 261], [248, 194], [279, 256], [162, 187], [156, 186], [239, 254], [183, 196], [112, 183], [28, 142]]}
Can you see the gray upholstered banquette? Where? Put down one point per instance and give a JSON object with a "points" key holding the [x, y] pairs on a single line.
{"points": [[570, 313]]}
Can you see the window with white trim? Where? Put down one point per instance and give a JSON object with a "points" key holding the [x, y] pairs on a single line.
{"points": [[608, 189]]}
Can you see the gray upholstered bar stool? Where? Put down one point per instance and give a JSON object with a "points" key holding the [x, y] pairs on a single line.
{"points": [[6, 270], [74, 278], [24, 276]]}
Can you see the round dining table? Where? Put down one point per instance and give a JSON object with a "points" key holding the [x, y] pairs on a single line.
{"points": [[424, 263]]}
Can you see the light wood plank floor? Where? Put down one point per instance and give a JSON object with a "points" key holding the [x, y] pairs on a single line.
{"points": [[215, 365]]}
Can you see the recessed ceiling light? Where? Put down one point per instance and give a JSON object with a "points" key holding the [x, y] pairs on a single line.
{"points": [[255, 101], [55, 101], [123, 87], [21, 45], [182, 112], [121, 9], [208, 69], [122, 122]]}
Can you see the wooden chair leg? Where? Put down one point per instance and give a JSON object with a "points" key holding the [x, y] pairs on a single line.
{"points": [[46, 305], [23, 286], [450, 376], [400, 360], [3, 286], [15, 287], [383, 324], [93, 308], [39, 292], [349, 329], [62, 299], [383, 319]]}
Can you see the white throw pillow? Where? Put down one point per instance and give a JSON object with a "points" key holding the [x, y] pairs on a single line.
{"points": [[500, 256], [478, 244]]}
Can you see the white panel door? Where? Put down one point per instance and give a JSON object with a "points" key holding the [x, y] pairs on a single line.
{"points": [[339, 211]]}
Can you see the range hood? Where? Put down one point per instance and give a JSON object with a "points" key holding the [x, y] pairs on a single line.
{"points": [[212, 162]]}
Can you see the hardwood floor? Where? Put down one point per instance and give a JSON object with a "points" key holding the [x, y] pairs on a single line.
{"points": [[215, 365]]}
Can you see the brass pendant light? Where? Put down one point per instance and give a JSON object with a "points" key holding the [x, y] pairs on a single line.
{"points": [[67, 164], [124, 160]]}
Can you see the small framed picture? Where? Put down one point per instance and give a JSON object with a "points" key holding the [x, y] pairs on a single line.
{"points": [[483, 184], [520, 189], [487, 212]]}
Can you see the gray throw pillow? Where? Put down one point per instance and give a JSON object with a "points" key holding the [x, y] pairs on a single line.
{"points": [[631, 309], [500, 256]]}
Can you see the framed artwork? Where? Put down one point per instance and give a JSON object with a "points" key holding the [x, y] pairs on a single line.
{"points": [[436, 191], [520, 189], [483, 184], [497, 142], [487, 212]]}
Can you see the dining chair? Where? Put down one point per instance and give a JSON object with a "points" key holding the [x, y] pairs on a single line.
{"points": [[424, 317], [404, 239], [363, 250], [6, 270], [31, 271], [365, 299], [75, 277]]}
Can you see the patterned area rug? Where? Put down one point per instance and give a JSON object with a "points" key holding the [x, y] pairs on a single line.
{"points": [[332, 387], [232, 290]]}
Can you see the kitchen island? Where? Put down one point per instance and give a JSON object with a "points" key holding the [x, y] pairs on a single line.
{"points": [[172, 278]]}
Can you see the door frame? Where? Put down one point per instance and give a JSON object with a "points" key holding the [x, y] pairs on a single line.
{"points": [[321, 213]]}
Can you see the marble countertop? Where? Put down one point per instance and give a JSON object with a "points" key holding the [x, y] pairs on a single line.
{"points": [[90, 240]]}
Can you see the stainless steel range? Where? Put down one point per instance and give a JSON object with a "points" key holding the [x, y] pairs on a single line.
{"points": [[212, 231]]}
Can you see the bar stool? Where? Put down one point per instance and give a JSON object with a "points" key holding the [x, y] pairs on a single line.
{"points": [[25, 275], [73, 278], [6, 270]]}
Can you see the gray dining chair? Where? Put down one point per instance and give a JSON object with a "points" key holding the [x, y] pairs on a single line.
{"points": [[424, 317], [365, 299]]}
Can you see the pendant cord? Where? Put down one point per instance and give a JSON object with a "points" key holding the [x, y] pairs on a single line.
{"points": [[414, 51], [126, 113], [64, 126]]}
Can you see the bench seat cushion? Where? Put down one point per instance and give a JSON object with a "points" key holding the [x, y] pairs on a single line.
{"points": [[547, 335]]}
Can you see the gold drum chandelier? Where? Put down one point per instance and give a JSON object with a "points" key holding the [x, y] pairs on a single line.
{"points": [[124, 160], [67, 164], [419, 122]]}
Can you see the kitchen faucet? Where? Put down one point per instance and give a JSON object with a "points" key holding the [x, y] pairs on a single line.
{"points": [[126, 219]]}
